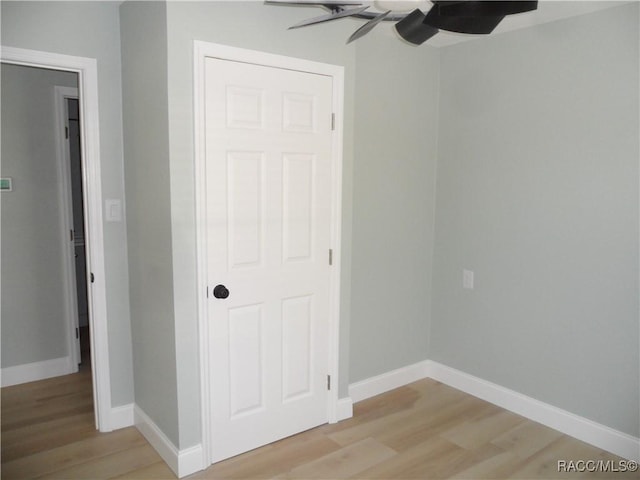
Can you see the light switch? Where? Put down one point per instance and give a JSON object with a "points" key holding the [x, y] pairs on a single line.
{"points": [[467, 279], [113, 209]]}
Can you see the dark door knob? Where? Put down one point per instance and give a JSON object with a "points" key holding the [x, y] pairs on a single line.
{"points": [[220, 291]]}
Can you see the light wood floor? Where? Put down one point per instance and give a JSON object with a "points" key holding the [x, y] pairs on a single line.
{"points": [[421, 431]]}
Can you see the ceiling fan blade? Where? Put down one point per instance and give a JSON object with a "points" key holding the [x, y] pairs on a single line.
{"points": [[413, 29], [473, 25], [329, 17], [367, 27], [319, 3], [484, 8]]}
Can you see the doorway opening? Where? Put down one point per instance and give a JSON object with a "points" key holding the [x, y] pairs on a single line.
{"points": [[85, 71], [43, 241]]}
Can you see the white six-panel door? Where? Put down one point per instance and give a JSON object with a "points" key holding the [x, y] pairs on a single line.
{"points": [[268, 213]]}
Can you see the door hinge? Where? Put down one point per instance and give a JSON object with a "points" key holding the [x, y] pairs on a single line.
{"points": [[328, 382], [207, 291], [66, 132], [77, 333], [333, 121], [330, 256], [93, 278], [71, 235]]}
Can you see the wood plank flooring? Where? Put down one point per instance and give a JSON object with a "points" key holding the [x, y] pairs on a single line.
{"points": [[425, 430]]}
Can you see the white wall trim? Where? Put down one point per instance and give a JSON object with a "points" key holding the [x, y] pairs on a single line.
{"points": [[573, 425], [373, 386], [568, 423], [87, 70], [190, 460], [122, 416], [158, 440], [344, 409], [202, 50], [184, 462], [31, 372]]}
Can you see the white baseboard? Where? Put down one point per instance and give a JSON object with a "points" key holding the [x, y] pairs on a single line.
{"points": [[573, 425], [122, 416], [182, 462], [344, 409], [191, 460], [387, 381], [568, 423], [31, 372]]}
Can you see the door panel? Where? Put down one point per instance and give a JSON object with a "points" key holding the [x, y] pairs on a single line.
{"points": [[246, 220], [244, 107], [297, 351], [246, 348], [268, 177], [299, 113], [298, 207]]}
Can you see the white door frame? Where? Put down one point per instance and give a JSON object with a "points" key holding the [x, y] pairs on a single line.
{"points": [[61, 94], [202, 50], [87, 70]]}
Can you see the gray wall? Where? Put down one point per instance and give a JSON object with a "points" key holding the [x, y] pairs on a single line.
{"points": [[396, 112], [538, 194], [91, 29], [34, 317], [146, 150]]}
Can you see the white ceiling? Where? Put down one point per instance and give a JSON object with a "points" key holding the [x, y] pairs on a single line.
{"points": [[548, 11]]}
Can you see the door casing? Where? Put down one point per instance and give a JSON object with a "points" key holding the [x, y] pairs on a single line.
{"points": [[202, 50]]}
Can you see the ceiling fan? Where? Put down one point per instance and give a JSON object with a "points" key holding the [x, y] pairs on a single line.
{"points": [[413, 24]]}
